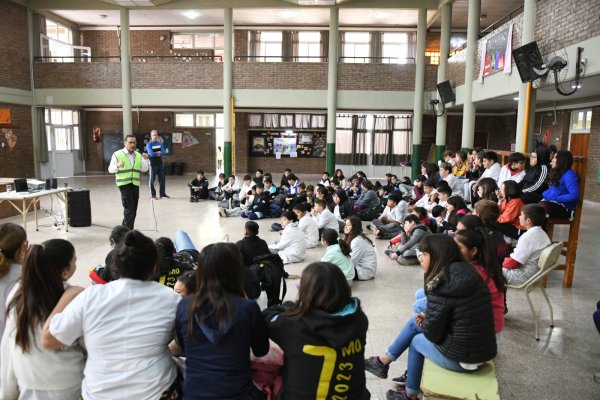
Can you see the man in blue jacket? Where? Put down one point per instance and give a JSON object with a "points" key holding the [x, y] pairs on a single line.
{"points": [[156, 150]]}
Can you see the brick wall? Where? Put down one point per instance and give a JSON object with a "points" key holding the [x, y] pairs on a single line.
{"points": [[171, 75], [240, 44], [18, 162], [200, 156], [14, 51], [280, 75], [103, 75], [559, 132], [241, 142], [383, 76], [102, 43]]}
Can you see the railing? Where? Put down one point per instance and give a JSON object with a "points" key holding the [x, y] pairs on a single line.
{"points": [[73, 58], [313, 59], [178, 57]]}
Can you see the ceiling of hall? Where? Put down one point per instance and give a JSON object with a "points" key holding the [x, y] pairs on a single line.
{"points": [[491, 11]]}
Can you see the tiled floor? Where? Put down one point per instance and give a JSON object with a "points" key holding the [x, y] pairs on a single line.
{"points": [[561, 365]]}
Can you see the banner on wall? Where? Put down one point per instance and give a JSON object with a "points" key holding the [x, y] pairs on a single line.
{"points": [[11, 139], [188, 140], [496, 54]]}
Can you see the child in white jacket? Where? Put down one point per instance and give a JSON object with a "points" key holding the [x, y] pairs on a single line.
{"points": [[307, 225], [292, 246]]}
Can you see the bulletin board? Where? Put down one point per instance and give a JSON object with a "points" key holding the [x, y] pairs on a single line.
{"points": [[285, 144]]}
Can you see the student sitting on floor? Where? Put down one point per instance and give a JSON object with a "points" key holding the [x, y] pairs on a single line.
{"points": [[186, 284], [408, 241], [216, 192], [251, 245], [523, 261], [325, 180], [260, 204], [362, 249], [389, 223], [103, 273], [292, 246], [170, 263], [324, 217], [429, 198], [338, 253], [425, 219], [368, 198], [454, 183], [418, 191], [307, 225], [198, 187], [343, 208], [455, 210]]}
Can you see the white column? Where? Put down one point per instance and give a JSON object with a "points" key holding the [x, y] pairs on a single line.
{"points": [[468, 128], [332, 67], [528, 35], [126, 73], [440, 131], [419, 92], [227, 91]]}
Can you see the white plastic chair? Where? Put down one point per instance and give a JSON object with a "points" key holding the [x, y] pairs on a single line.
{"points": [[548, 261]]}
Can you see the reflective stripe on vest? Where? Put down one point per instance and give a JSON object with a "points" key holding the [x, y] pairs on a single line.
{"points": [[128, 174]]}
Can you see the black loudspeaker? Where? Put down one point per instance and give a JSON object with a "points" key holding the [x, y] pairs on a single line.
{"points": [[48, 184], [54, 183], [80, 211], [527, 58], [446, 93]]}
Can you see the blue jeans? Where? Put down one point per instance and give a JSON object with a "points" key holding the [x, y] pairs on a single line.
{"points": [[402, 341], [597, 317], [421, 348], [157, 170], [183, 241]]}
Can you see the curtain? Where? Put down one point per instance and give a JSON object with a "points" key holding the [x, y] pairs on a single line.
{"points": [[302, 121], [375, 47], [38, 28], [402, 139], [359, 140], [254, 45], [255, 121], [271, 120], [324, 46], [286, 46], [382, 140], [343, 139], [295, 44], [286, 120], [412, 46], [42, 137], [83, 153], [317, 121]]}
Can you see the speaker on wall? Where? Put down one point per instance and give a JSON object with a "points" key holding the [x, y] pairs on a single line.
{"points": [[446, 93], [80, 211], [527, 58]]}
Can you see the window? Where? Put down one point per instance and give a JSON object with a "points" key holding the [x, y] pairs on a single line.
{"points": [[197, 120], [270, 46], [434, 57], [62, 129], [309, 46], [581, 120], [59, 42], [214, 41], [394, 48], [355, 47]]}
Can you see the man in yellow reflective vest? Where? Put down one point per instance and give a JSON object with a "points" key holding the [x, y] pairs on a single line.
{"points": [[127, 164]]}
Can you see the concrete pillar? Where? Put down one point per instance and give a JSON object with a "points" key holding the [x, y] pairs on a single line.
{"points": [[35, 124], [126, 73], [332, 67], [440, 130], [528, 35], [468, 127], [227, 92], [419, 93]]}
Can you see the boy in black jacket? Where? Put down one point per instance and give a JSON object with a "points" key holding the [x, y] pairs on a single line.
{"points": [[198, 187], [260, 204]]}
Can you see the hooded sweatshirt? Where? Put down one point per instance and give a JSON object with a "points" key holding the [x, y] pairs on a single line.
{"points": [[321, 345], [218, 360]]}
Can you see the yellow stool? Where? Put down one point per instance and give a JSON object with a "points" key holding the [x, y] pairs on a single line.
{"points": [[438, 383]]}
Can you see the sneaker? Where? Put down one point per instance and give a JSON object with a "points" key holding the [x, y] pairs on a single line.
{"points": [[407, 261], [165, 196], [401, 380], [155, 198], [222, 212], [389, 252], [396, 395], [376, 367], [192, 199]]}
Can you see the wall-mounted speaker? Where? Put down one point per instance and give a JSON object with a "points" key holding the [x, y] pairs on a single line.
{"points": [[527, 58], [446, 93]]}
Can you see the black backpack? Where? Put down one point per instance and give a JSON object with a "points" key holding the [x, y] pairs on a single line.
{"points": [[270, 272]]}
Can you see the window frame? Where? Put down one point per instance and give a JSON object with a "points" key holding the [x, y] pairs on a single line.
{"points": [[575, 118], [73, 128], [197, 118]]}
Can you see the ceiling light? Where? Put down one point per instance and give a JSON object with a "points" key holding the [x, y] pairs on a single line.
{"points": [[287, 14], [381, 15], [191, 14], [316, 2], [515, 98]]}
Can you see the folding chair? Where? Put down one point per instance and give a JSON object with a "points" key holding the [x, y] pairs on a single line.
{"points": [[548, 261]]}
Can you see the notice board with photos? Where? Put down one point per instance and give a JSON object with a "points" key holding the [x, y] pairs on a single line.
{"points": [[288, 144]]}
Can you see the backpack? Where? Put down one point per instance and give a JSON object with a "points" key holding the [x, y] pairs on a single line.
{"points": [[270, 272]]}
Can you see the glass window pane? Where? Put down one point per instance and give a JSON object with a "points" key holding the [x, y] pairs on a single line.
{"points": [[55, 116], [184, 120], [75, 117], [588, 119], [271, 36], [395, 37], [219, 40], [357, 37], [309, 36], [62, 139], [49, 137], [67, 117], [46, 115], [183, 41], [76, 138], [203, 41], [205, 120]]}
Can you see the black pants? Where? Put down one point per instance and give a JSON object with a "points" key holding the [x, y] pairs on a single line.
{"points": [[555, 210], [509, 230], [130, 195]]}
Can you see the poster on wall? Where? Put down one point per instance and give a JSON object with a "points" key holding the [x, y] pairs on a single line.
{"points": [[496, 53], [188, 140], [278, 144], [284, 145], [10, 137], [177, 137]]}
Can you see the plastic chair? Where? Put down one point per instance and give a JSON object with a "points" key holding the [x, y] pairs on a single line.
{"points": [[548, 261]]}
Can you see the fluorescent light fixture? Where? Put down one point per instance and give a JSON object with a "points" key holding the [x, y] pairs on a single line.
{"points": [[289, 132], [516, 98], [381, 15], [191, 14], [316, 2], [287, 14]]}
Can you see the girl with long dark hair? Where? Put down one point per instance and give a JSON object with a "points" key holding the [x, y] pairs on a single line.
{"points": [[562, 195], [362, 249], [510, 205], [322, 336], [13, 247], [455, 210], [28, 370], [534, 183], [338, 253], [456, 331], [217, 327]]}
